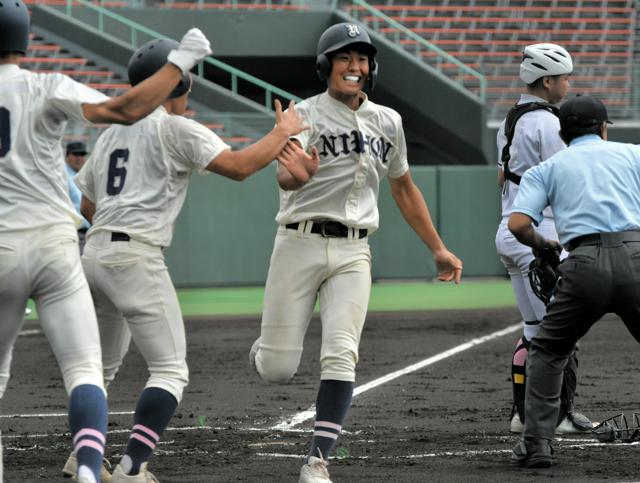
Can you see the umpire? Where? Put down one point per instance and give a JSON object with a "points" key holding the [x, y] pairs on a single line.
{"points": [[593, 188]]}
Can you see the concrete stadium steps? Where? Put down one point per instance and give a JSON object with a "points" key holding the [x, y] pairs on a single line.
{"points": [[44, 56]]}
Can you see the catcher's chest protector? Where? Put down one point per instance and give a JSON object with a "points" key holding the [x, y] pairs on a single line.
{"points": [[514, 114]]}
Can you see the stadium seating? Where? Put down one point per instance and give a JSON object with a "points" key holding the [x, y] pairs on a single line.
{"points": [[489, 36]]}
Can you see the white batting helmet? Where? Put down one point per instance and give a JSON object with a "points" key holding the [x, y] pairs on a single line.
{"points": [[539, 60]]}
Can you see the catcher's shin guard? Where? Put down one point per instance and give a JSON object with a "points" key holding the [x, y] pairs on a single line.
{"points": [[519, 376]]}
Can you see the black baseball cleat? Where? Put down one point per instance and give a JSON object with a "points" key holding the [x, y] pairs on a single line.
{"points": [[532, 453]]}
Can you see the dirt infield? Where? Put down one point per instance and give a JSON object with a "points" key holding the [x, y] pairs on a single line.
{"points": [[445, 422]]}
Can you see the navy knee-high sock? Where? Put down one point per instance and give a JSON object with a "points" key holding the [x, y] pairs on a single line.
{"points": [[154, 411], [88, 424], [332, 404]]}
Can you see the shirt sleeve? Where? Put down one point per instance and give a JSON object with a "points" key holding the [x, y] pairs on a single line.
{"points": [[66, 96], [84, 180], [398, 164], [532, 197], [304, 136], [192, 143], [550, 140]]}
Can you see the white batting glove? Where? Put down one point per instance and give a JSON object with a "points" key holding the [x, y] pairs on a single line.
{"points": [[194, 47]]}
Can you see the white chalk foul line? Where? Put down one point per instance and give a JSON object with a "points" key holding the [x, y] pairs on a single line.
{"points": [[303, 416], [54, 415]]}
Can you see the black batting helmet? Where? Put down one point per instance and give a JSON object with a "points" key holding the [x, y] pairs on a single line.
{"points": [[14, 26], [149, 58], [342, 35]]}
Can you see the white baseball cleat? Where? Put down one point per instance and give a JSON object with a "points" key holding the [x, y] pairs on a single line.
{"points": [[145, 476], [314, 471], [70, 469], [253, 352]]}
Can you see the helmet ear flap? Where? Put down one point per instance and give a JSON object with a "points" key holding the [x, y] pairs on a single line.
{"points": [[373, 73], [323, 66]]}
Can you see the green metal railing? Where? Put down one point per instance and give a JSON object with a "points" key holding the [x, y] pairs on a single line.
{"points": [[399, 32], [138, 34]]}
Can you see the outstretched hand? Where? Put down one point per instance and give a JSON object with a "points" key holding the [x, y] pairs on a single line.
{"points": [[300, 164], [289, 121], [448, 265]]}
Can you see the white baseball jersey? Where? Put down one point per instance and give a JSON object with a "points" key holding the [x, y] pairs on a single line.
{"points": [[34, 110], [357, 149], [536, 138], [137, 176]]}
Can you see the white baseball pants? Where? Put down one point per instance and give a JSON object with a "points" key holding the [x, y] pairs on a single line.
{"points": [[516, 258], [305, 267], [135, 298], [45, 265]]}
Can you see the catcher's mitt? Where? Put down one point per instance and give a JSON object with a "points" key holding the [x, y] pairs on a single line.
{"points": [[543, 273]]}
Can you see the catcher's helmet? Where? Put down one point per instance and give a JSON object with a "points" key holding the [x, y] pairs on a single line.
{"points": [[14, 26], [539, 60], [149, 58], [336, 38]]}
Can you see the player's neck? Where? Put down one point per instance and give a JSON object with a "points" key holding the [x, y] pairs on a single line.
{"points": [[540, 92], [10, 59], [352, 101]]}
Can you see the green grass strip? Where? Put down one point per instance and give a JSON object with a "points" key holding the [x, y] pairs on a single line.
{"points": [[385, 297]]}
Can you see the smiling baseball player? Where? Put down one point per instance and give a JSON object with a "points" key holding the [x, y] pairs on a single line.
{"points": [[321, 248], [39, 256], [134, 186]]}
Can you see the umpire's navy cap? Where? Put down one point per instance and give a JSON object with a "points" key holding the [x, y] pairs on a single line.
{"points": [[77, 148], [583, 111]]}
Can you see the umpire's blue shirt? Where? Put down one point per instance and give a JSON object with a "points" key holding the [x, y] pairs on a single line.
{"points": [[593, 186]]}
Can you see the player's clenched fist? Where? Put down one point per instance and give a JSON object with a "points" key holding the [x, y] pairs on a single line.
{"points": [[289, 121], [194, 47]]}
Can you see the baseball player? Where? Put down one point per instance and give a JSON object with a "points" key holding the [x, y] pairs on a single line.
{"points": [[321, 249], [594, 190], [134, 186], [39, 256], [74, 160], [527, 137]]}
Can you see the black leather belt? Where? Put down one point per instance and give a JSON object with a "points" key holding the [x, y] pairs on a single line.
{"points": [[603, 238], [330, 229], [119, 236]]}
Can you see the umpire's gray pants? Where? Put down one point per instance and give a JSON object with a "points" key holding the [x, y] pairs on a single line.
{"points": [[598, 277]]}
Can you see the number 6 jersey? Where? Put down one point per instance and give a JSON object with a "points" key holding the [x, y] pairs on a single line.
{"points": [[137, 176], [34, 110]]}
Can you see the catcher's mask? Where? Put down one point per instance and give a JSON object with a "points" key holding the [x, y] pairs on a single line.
{"points": [[618, 429], [340, 37]]}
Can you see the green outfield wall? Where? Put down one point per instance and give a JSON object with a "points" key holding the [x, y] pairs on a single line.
{"points": [[225, 232]]}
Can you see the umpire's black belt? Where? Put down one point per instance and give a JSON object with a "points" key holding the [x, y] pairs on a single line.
{"points": [[331, 229], [119, 236], [605, 239]]}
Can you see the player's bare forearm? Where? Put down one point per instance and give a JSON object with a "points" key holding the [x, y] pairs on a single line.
{"points": [[415, 211], [238, 165], [522, 228], [87, 209], [500, 177], [137, 102], [286, 181]]}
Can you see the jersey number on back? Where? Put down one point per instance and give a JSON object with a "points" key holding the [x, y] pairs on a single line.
{"points": [[117, 171], [5, 132]]}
